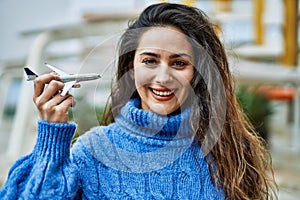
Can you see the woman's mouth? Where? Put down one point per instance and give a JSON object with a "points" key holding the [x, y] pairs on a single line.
{"points": [[162, 94]]}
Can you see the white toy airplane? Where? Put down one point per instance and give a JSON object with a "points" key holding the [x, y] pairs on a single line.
{"points": [[68, 79]]}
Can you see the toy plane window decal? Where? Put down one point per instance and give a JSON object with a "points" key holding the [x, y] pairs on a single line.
{"points": [[68, 79]]}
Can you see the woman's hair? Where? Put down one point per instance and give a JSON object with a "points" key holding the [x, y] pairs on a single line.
{"points": [[239, 162]]}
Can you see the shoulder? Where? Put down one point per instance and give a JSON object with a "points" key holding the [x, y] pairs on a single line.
{"points": [[94, 138], [98, 146], [83, 143], [92, 145]]}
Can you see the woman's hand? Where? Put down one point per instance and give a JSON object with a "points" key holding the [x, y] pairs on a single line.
{"points": [[51, 105]]}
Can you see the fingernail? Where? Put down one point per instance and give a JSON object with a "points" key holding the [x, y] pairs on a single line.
{"points": [[76, 86], [73, 103]]}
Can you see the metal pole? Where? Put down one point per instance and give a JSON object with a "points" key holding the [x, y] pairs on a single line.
{"points": [[25, 106], [258, 22], [296, 131], [290, 32]]}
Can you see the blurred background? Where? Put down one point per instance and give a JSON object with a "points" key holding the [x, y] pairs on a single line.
{"points": [[260, 37]]}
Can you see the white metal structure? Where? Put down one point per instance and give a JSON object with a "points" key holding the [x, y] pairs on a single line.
{"points": [[109, 24]]}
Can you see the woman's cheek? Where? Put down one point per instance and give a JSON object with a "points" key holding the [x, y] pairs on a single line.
{"points": [[141, 77]]}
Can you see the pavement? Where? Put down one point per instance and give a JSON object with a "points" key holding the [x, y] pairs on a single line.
{"points": [[286, 159], [287, 174]]}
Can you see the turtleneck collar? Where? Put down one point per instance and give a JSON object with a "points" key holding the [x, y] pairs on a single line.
{"points": [[142, 141], [149, 124]]}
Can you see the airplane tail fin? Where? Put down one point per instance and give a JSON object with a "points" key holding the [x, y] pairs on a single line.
{"points": [[29, 74]]}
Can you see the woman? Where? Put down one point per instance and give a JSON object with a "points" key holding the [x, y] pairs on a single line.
{"points": [[173, 128]]}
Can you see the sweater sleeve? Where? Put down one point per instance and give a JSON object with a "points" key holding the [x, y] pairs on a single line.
{"points": [[48, 172]]}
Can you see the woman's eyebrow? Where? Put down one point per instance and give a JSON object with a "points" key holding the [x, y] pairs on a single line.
{"points": [[149, 54], [180, 55], [172, 56]]}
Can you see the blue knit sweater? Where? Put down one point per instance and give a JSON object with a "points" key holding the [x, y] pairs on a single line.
{"points": [[141, 155]]}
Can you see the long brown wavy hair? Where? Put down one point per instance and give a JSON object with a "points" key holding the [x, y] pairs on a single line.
{"points": [[239, 162]]}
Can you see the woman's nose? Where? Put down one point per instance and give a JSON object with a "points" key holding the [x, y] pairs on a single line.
{"points": [[163, 74]]}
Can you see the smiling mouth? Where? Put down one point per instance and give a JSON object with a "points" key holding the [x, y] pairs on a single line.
{"points": [[162, 93]]}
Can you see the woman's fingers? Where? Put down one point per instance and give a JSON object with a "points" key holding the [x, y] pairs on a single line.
{"points": [[40, 82], [57, 99], [51, 105], [63, 107], [76, 85], [56, 109], [49, 92], [67, 103]]}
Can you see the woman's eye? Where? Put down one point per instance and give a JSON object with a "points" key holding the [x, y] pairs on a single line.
{"points": [[148, 61], [179, 63]]}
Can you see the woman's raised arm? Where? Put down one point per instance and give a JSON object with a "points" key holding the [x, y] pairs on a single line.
{"points": [[48, 172]]}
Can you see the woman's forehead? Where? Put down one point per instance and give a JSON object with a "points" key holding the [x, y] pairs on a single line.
{"points": [[168, 39]]}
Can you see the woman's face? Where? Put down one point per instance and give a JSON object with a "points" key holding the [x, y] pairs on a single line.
{"points": [[163, 69]]}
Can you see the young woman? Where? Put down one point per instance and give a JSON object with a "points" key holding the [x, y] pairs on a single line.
{"points": [[173, 128]]}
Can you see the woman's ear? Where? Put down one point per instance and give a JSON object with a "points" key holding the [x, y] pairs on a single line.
{"points": [[131, 70], [131, 73]]}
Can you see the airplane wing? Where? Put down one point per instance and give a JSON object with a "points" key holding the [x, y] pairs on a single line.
{"points": [[67, 87], [58, 71]]}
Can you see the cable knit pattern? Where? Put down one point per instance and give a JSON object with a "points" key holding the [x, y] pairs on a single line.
{"points": [[141, 156], [47, 172]]}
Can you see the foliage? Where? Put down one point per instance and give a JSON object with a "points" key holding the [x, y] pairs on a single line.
{"points": [[257, 108], [85, 116]]}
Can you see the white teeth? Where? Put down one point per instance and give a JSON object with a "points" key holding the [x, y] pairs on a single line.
{"points": [[163, 93]]}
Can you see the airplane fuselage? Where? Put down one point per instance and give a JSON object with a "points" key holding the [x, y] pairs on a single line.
{"points": [[68, 79], [79, 77]]}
